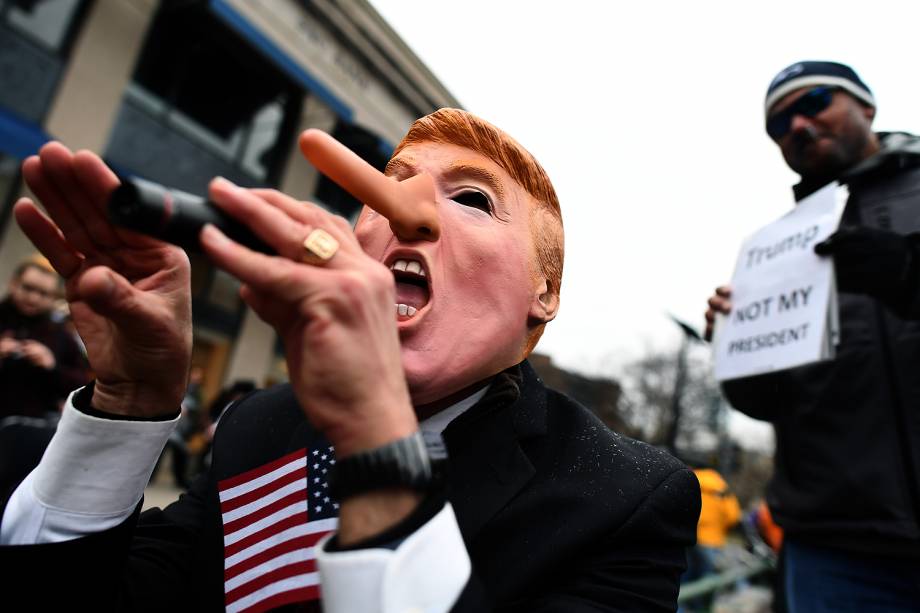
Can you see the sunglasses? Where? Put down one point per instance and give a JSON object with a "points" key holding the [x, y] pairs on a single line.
{"points": [[808, 105]]}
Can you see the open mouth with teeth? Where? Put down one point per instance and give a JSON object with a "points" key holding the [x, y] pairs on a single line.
{"points": [[412, 291]]}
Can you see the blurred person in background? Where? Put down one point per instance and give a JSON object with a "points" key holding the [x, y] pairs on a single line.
{"points": [[224, 400], [40, 360], [719, 514], [767, 529], [846, 487], [186, 443]]}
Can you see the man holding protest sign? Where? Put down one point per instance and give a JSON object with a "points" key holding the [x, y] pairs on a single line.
{"points": [[846, 488]]}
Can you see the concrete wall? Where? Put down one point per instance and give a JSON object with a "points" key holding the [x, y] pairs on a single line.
{"points": [[253, 350], [99, 70], [89, 94]]}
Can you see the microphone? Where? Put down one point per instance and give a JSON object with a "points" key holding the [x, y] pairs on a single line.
{"points": [[177, 217], [173, 216]]}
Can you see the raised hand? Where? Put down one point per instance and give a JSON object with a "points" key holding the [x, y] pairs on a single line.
{"points": [[129, 295], [9, 346], [719, 302], [336, 319], [38, 354]]}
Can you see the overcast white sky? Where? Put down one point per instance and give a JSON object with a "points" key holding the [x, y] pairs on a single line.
{"points": [[648, 117]]}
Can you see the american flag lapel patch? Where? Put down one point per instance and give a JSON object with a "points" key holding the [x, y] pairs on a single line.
{"points": [[273, 515]]}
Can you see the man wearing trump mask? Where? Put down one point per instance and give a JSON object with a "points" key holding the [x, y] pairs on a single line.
{"points": [[397, 337]]}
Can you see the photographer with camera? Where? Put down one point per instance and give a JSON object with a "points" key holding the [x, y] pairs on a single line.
{"points": [[41, 361]]}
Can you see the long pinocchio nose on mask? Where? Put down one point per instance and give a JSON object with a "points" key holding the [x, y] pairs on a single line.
{"points": [[409, 205]]}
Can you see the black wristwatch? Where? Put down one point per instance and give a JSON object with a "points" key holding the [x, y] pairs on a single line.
{"points": [[416, 462]]}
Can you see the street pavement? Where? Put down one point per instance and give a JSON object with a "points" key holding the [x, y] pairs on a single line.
{"points": [[162, 490]]}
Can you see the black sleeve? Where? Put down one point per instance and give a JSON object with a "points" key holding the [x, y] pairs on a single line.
{"points": [[760, 396], [636, 569], [176, 554], [150, 562], [910, 306], [60, 576]]}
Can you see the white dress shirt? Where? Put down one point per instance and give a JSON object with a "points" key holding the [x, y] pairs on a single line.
{"points": [[94, 472]]}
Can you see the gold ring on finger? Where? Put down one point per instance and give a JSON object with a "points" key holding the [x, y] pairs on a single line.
{"points": [[319, 247]]}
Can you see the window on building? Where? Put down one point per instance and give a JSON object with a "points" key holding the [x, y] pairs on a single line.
{"points": [[35, 41], [49, 23], [216, 302], [206, 82], [9, 186], [203, 102], [367, 145]]}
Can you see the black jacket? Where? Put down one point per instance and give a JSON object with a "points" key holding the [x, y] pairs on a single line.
{"points": [[558, 513], [27, 389], [847, 465]]}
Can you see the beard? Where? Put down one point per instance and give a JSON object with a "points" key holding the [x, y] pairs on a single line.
{"points": [[822, 156]]}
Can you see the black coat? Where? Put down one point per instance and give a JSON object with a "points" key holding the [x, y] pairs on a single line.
{"points": [[558, 512], [30, 390], [847, 463]]}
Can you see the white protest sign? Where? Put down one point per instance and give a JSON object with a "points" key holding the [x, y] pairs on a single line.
{"points": [[782, 293]]}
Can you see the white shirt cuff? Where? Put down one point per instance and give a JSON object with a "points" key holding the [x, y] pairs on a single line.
{"points": [[90, 479], [427, 572]]}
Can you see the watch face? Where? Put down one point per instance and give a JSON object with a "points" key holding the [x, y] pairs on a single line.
{"points": [[414, 462]]}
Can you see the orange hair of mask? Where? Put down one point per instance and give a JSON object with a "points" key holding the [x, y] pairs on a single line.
{"points": [[457, 127]]}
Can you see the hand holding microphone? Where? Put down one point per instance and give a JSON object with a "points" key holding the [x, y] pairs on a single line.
{"points": [[173, 216], [177, 217]]}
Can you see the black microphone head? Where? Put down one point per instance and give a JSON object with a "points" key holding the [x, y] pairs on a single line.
{"points": [[139, 205], [172, 215]]}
